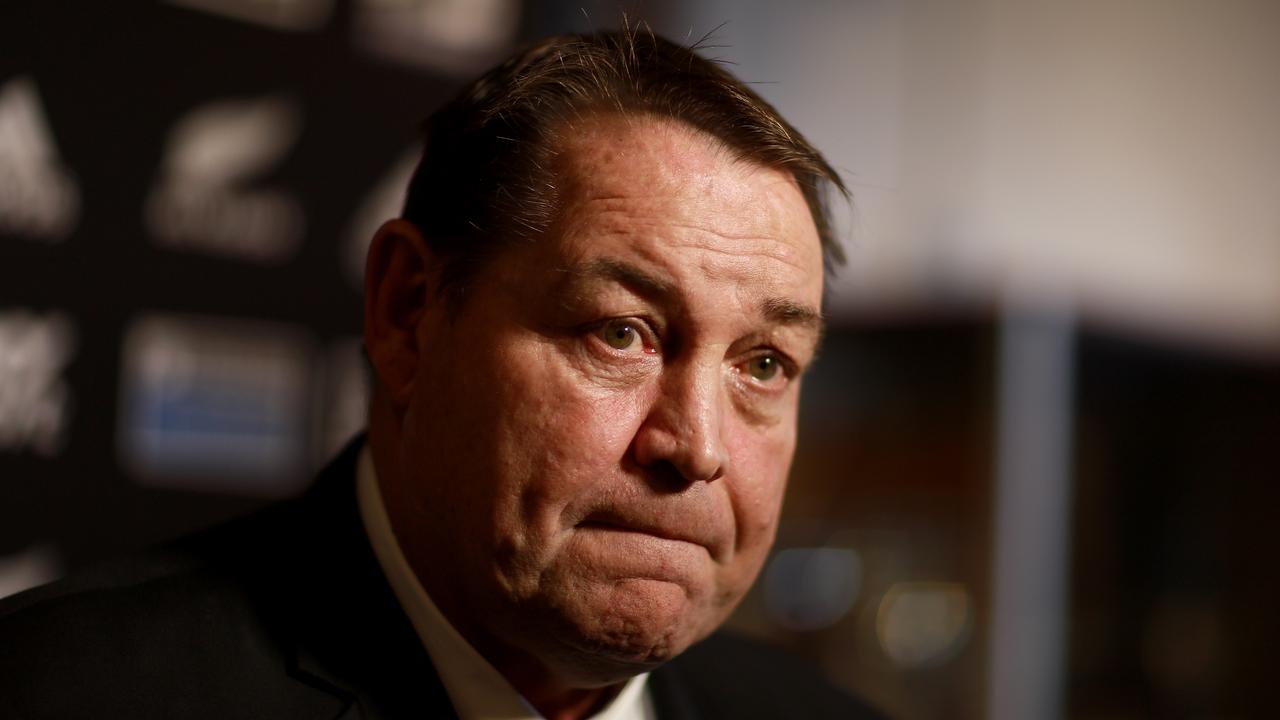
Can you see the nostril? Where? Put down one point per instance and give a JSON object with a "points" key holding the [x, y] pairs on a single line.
{"points": [[665, 477], [707, 473]]}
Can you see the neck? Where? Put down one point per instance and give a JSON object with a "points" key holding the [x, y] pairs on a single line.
{"points": [[580, 704], [555, 696], [567, 703]]}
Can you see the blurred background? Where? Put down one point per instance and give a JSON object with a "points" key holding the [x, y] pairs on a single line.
{"points": [[1040, 455]]}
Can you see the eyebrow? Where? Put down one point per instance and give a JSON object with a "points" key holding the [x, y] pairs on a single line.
{"points": [[625, 274], [776, 309], [790, 312]]}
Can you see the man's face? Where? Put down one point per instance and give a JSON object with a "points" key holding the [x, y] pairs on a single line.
{"points": [[596, 443]]}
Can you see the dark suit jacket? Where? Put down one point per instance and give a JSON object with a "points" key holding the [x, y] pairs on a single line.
{"points": [[286, 614]]}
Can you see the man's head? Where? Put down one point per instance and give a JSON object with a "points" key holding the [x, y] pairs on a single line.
{"points": [[583, 452], [488, 176]]}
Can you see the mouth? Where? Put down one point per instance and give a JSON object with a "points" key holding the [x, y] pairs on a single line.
{"points": [[609, 523]]}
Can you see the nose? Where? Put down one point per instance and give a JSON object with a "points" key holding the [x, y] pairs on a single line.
{"points": [[683, 429]]}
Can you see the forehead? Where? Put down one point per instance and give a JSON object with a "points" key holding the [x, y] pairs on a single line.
{"points": [[673, 191]]}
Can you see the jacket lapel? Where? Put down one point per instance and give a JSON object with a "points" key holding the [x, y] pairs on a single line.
{"points": [[670, 695], [349, 635]]}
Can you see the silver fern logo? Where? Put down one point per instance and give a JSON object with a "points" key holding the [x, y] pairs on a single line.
{"points": [[208, 199]]}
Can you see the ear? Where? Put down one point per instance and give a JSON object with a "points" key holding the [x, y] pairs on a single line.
{"points": [[400, 278]]}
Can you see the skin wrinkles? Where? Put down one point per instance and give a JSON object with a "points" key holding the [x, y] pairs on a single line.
{"points": [[640, 215], [662, 256], [776, 309], [615, 504], [583, 282], [624, 223], [794, 336], [692, 180]]}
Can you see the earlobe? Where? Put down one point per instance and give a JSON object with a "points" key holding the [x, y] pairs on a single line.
{"points": [[399, 281]]}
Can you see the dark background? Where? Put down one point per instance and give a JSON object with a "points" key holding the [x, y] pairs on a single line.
{"points": [[1171, 581]]}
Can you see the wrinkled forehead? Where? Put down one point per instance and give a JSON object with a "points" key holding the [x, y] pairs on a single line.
{"points": [[688, 176]]}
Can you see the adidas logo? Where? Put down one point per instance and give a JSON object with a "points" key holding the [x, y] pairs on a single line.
{"points": [[39, 199]]}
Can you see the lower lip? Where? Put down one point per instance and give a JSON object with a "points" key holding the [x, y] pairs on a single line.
{"points": [[613, 552], [612, 528]]}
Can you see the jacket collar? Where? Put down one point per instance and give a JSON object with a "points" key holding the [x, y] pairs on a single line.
{"points": [[349, 635]]}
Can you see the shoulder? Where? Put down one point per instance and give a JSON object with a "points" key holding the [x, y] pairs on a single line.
{"points": [[130, 635], [136, 583], [731, 676], [220, 624], [259, 551]]}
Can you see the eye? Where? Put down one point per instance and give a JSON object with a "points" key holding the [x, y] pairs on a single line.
{"points": [[619, 335], [763, 368]]}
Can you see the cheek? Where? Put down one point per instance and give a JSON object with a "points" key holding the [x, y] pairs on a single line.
{"points": [[762, 462], [557, 435]]}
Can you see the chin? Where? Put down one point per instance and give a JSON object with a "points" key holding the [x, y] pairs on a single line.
{"points": [[628, 628]]}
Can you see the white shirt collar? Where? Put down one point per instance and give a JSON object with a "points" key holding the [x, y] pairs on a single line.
{"points": [[477, 689]]}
